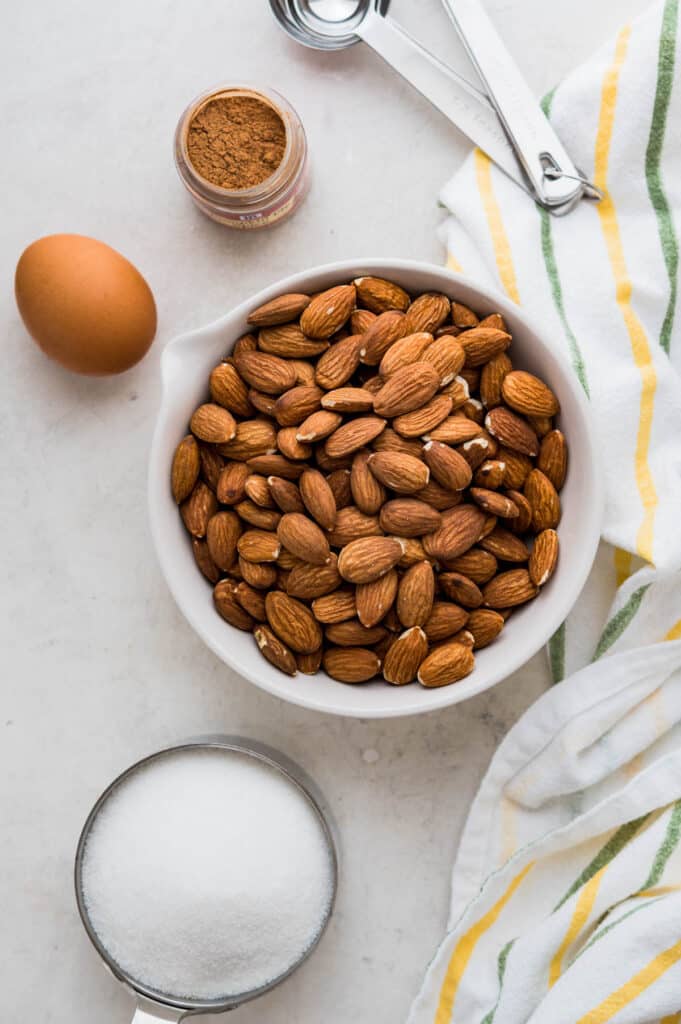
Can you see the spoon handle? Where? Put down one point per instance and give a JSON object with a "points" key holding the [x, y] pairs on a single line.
{"points": [[460, 102]]}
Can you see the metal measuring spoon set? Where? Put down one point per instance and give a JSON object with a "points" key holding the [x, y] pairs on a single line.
{"points": [[502, 117]]}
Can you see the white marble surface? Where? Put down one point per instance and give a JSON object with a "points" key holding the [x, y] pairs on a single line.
{"points": [[98, 667]]}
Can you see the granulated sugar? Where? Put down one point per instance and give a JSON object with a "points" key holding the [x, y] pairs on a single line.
{"points": [[206, 874]]}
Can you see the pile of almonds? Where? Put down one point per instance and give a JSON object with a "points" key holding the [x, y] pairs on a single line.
{"points": [[372, 487]]}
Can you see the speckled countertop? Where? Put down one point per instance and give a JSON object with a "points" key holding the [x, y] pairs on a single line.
{"points": [[99, 668]]}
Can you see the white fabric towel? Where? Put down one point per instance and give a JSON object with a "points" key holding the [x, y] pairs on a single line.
{"points": [[566, 893]]}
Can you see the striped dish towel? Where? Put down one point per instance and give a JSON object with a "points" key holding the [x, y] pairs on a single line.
{"points": [[566, 892]]}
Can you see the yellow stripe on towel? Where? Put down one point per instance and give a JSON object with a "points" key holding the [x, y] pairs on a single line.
{"points": [[500, 242], [453, 263], [622, 560], [580, 916], [675, 632], [623, 290], [464, 948], [626, 994]]}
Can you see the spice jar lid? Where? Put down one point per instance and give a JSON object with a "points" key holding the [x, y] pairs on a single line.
{"points": [[241, 152]]}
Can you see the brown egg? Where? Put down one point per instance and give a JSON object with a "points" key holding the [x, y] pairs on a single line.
{"points": [[85, 305]]}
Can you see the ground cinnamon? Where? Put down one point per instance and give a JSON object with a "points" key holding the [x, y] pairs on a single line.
{"points": [[235, 142]]}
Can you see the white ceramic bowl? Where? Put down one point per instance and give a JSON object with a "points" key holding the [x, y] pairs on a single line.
{"points": [[185, 367]]}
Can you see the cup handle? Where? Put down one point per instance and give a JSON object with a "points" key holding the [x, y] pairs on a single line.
{"points": [[147, 1012]]}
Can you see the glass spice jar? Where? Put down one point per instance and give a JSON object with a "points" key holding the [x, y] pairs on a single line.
{"points": [[270, 201]]}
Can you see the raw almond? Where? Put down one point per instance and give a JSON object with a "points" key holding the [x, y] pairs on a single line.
{"points": [[185, 468], [205, 563], [318, 426], [352, 633], [458, 391], [339, 482], [404, 352], [479, 565], [485, 626], [198, 508], [413, 552], [391, 441], [475, 452], [462, 316], [212, 423], [303, 538], [304, 371], [540, 424], [402, 473], [252, 437], [445, 620], [543, 557], [280, 310], [512, 431], [492, 379], [408, 389], [276, 652], [246, 343], [354, 435], [292, 622], [328, 463], [369, 495], [285, 494], [509, 589], [361, 320], [275, 465], [251, 600], [409, 517], [267, 373], [552, 459], [338, 364], [348, 400], [415, 595], [226, 604], [446, 664], [404, 657], [328, 311], [254, 515], [289, 342], [544, 501], [448, 467], [379, 295], [309, 664], [522, 522], [490, 474], [374, 599], [427, 312], [261, 575], [446, 356], [438, 497], [259, 546], [528, 395], [212, 464], [460, 588], [351, 664], [261, 402], [459, 531], [318, 498], [289, 445], [351, 524], [517, 468], [492, 501], [257, 489], [382, 333], [421, 421], [481, 344], [222, 533], [505, 546], [364, 560], [335, 607], [494, 320], [308, 582], [228, 389], [293, 407]]}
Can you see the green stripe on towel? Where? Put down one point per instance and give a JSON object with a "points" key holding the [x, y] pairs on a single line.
{"points": [[669, 844], [619, 622], [614, 845], [658, 197]]}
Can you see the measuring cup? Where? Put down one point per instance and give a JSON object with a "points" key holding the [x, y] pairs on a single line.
{"points": [[155, 1007], [337, 24]]}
